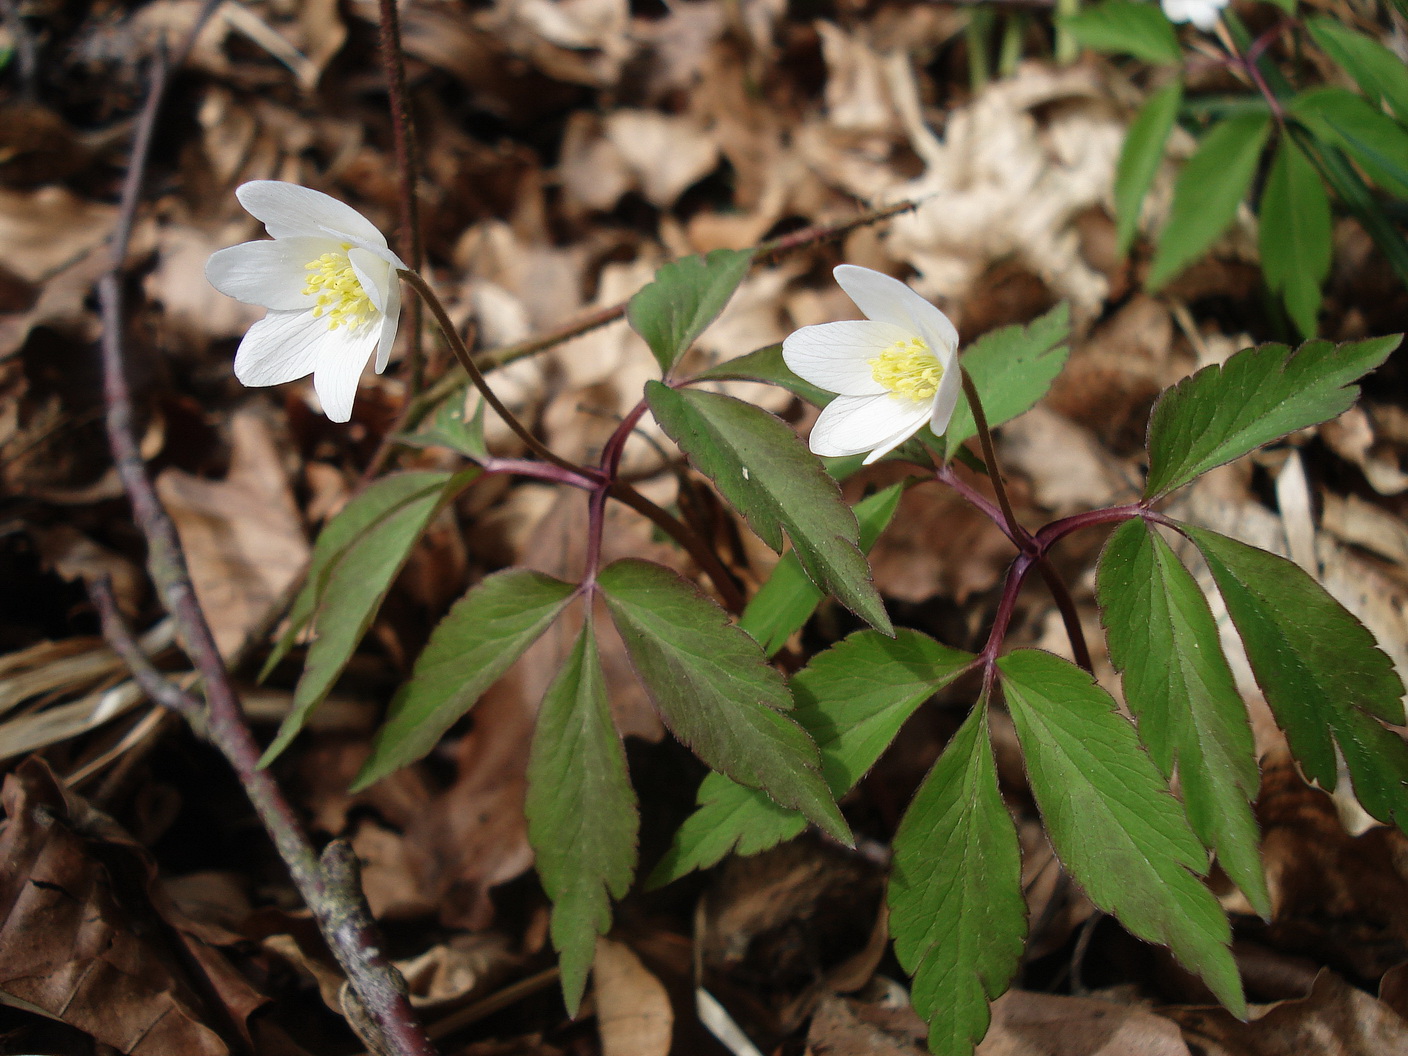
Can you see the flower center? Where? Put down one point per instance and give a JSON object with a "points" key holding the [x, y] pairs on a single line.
{"points": [[339, 292], [907, 368]]}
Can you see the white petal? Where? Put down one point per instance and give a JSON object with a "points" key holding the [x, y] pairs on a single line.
{"points": [[373, 273], [852, 424], [389, 322], [835, 356], [946, 399], [289, 211], [271, 273], [339, 369], [283, 346], [890, 301]]}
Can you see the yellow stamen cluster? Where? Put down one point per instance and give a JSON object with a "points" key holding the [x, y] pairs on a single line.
{"points": [[338, 291], [907, 368]]}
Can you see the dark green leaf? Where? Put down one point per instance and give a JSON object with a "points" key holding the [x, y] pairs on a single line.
{"points": [[1111, 818], [1012, 369], [1163, 640], [787, 600], [686, 296], [1208, 191], [1323, 675], [956, 907], [1124, 28], [483, 634], [715, 690], [1139, 159], [766, 365], [1295, 234], [1377, 142], [1378, 72], [766, 473], [352, 586], [1257, 396], [582, 817], [852, 699]]}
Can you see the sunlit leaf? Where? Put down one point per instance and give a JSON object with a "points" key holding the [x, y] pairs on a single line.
{"points": [[1125, 28], [1140, 156], [1376, 142], [1111, 819], [1295, 234], [956, 908], [1379, 73], [686, 296], [766, 365], [1259, 395], [1164, 641]]}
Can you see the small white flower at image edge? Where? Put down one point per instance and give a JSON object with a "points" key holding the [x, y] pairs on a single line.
{"points": [[1202, 13], [329, 281], [893, 372]]}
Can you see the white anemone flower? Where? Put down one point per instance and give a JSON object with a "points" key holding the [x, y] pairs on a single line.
{"points": [[1202, 13], [330, 284], [893, 371]]}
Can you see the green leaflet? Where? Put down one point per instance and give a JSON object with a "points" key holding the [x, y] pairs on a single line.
{"points": [[1134, 29], [483, 634], [366, 547], [1111, 819], [1322, 674], [1012, 368], [1207, 193], [766, 473], [956, 908], [1139, 159], [787, 600], [852, 699], [1259, 395], [450, 429], [686, 296], [1379, 73], [1295, 234], [714, 689], [582, 817], [1164, 642], [766, 365], [1373, 139]]}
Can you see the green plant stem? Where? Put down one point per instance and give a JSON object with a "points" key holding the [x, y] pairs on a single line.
{"points": [[1067, 48]]}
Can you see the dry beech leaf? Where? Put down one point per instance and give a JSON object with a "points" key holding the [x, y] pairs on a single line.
{"points": [[633, 1012], [1030, 1024]]}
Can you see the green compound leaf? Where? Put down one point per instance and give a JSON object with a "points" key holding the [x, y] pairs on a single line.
{"points": [[852, 699], [956, 907], [1207, 193], [1012, 368], [1124, 28], [766, 473], [1295, 234], [582, 818], [1139, 159], [451, 429], [1324, 677], [355, 561], [1373, 139], [787, 600], [686, 296], [1111, 818], [483, 634], [1379, 73], [1164, 642], [714, 689], [767, 365], [1257, 396]]}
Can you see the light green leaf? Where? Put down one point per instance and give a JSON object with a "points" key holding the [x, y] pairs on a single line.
{"points": [[582, 818], [686, 296], [1205, 198], [1164, 642], [483, 634], [1295, 234], [787, 600], [1012, 369], [714, 689], [766, 365], [766, 473], [352, 584], [1125, 28], [1323, 675], [956, 907], [1379, 73], [1257, 396], [1111, 819], [853, 698], [450, 429], [1375, 141], [1139, 159]]}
